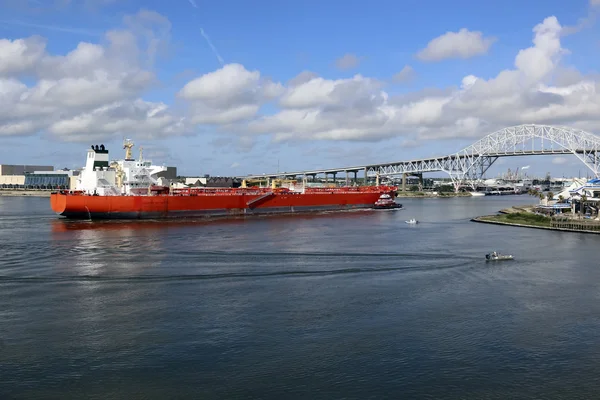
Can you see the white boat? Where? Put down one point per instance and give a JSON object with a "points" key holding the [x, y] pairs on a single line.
{"points": [[477, 194], [495, 256], [412, 221]]}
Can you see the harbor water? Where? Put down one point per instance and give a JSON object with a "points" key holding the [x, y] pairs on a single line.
{"points": [[351, 305]]}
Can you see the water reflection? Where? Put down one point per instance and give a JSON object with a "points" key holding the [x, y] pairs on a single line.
{"points": [[361, 304], [65, 225], [93, 249]]}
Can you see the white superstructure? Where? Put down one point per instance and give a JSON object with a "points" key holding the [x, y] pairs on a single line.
{"points": [[121, 177]]}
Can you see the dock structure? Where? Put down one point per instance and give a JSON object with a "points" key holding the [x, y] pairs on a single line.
{"points": [[583, 225], [471, 163]]}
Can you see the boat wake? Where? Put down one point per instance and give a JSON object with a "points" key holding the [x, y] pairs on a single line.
{"points": [[229, 275]]}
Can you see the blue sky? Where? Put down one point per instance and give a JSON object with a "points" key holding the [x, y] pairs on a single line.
{"points": [[280, 40]]}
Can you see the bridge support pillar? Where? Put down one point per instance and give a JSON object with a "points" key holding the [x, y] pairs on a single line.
{"points": [[366, 177], [420, 176], [347, 177], [404, 182], [355, 177], [334, 177]]}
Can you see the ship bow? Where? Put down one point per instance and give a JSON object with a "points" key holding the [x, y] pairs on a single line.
{"points": [[58, 203]]}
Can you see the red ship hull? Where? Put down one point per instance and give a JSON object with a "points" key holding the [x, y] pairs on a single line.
{"points": [[215, 202]]}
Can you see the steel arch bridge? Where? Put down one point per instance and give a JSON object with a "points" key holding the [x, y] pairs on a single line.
{"points": [[472, 162]]}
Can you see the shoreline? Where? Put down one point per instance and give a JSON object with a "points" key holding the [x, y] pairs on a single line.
{"points": [[482, 219], [431, 195], [403, 195], [25, 193]]}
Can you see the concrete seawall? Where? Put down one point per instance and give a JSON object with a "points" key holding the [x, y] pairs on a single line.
{"points": [[25, 193], [548, 228]]}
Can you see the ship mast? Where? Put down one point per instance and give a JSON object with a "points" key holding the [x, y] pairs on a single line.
{"points": [[127, 145]]}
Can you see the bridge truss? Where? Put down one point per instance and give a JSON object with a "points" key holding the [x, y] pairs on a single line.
{"points": [[471, 163]]}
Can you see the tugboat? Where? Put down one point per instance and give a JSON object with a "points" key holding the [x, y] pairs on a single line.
{"points": [[386, 202], [495, 256]]}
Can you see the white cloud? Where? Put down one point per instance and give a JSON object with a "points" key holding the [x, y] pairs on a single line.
{"points": [[140, 118], [94, 90], [406, 74], [21, 55], [230, 94], [347, 61], [461, 44], [537, 90], [538, 61], [559, 160]]}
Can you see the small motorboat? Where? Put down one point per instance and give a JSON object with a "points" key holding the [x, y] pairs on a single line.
{"points": [[386, 202], [495, 256], [412, 221]]}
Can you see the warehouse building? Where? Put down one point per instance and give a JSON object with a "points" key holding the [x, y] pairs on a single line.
{"points": [[11, 170]]}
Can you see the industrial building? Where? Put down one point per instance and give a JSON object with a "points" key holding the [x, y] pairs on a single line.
{"points": [[51, 179], [36, 177], [11, 170], [170, 174], [211, 181]]}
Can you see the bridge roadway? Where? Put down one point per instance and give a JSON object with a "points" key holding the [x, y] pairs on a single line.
{"points": [[418, 166]]}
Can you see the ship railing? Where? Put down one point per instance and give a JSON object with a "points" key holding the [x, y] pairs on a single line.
{"points": [[351, 189], [205, 191], [219, 191]]}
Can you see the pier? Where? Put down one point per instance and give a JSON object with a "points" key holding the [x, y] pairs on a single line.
{"points": [[575, 224]]}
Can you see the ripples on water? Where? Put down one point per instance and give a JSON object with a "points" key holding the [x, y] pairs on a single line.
{"points": [[336, 305]]}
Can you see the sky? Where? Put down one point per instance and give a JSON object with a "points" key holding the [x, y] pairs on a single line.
{"points": [[233, 87]]}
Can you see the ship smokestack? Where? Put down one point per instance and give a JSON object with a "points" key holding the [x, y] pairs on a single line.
{"points": [[97, 157]]}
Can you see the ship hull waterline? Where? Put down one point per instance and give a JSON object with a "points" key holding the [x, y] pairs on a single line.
{"points": [[170, 207]]}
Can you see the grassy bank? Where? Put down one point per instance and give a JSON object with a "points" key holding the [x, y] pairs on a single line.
{"points": [[518, 218]]}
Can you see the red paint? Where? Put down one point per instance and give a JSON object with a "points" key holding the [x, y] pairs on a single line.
{"points": [[236, 201]]}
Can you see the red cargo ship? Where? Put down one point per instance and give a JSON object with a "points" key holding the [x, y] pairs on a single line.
{"points": [[130, 189]]}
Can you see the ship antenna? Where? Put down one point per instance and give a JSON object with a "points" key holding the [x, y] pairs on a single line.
{"points": [[141, 149]]}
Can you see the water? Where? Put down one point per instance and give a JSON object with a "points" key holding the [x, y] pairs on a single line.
{"points": [[353, 305]]}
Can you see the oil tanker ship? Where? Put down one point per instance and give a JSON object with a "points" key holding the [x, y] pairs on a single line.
{"points": [[131, 189]]}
